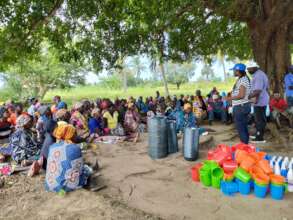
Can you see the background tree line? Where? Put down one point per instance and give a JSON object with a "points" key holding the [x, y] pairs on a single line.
{"points": [[100, 34]]}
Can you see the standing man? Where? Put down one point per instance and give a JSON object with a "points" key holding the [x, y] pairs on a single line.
{"points": [[289, 86], [260, 97]]}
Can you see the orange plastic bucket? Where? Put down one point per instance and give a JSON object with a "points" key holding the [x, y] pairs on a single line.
{"points": [[247, 163], [277, 179], [259, 175], [256, 170], [255, 156], [240, 155], [261, 155], [265, 166]]}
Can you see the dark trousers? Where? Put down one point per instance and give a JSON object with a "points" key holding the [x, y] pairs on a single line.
{"points": [[240, 113], [260, 121], [290, 101], [221, 114]]}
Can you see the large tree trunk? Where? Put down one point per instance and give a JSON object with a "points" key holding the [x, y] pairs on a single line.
{"points": [[271, 51], [270, 24], [42, 92], [124, 73], [162, 67], [224, 68]]}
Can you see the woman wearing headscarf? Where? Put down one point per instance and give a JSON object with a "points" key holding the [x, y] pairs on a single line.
{"points": [[5, 126], [131, 122], [45, 115], [186, 119], [96, 124], [23, 142], [79, 121], [62, 116], [5, 131], [65, 167], [110, 116], [200, 114]]}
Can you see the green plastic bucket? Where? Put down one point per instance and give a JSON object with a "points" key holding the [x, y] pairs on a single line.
{"points": [[205, 177], [217, 176], [242, 175], [210, 164]]}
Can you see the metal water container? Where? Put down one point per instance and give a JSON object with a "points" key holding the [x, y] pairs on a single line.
{"points": [[157, 131], [191, 143], [172, 137]]}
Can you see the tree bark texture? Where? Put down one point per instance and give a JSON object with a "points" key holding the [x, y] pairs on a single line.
{"points": [[270, 38], [271, 51], [124, 73], [270, 25], [162, 67]]}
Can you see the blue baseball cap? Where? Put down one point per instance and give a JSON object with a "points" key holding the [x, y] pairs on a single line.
{"points": [[239, 66]]}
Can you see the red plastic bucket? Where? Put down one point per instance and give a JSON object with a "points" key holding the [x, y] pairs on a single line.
{"points": [[195, 172], [229, 166], [211, 154]]}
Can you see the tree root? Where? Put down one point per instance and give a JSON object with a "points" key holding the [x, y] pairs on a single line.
{"points": [[276, 134]]}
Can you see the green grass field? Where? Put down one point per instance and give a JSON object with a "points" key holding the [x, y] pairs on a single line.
{"points": [[93, 92]]}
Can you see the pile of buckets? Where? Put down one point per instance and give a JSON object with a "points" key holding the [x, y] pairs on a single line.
{"points": [[239, 169]]}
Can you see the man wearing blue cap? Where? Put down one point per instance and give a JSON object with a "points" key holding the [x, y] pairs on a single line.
{"points": [[240, 102], [289, 86], [261, 99]]}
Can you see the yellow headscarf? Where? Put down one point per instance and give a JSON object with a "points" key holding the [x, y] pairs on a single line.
{"points": [[130, 105], [64, 132]]}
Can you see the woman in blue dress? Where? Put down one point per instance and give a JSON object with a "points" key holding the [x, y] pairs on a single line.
{"points": [[65, 167]]}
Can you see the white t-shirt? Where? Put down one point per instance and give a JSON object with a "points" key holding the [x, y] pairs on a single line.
{"points": [[243, 81]]}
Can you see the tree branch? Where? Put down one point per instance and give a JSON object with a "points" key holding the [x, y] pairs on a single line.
{"points": [[45, 19], [237, 10]]}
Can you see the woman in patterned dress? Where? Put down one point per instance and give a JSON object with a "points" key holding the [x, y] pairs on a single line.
{"points": [[65, 168], [80, 122], [23, 142]]}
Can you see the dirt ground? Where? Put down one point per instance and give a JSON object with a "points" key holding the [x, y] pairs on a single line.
{"points": [[141, 188]]}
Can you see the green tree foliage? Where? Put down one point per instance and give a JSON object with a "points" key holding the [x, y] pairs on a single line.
{"points": [[103, 31], [111, 82], [100, 32], [179, 73], [35, 77], [114, 80], [270, 28]]}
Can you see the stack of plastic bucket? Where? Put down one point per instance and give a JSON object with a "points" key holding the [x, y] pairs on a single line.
{"points": [[261, 180], [244, 188], [206, 173], [277, 187], [229, 187], [243, 179], [217, 176], [260, 189]]}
